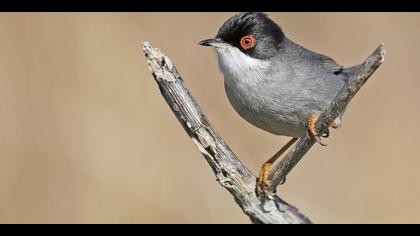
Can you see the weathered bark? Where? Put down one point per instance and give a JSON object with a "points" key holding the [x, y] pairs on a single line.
{"points": [[229, 171], [336, 107]]}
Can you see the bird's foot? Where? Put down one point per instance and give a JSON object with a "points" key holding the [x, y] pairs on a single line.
{"points": [[312, 133], [262, 182]]}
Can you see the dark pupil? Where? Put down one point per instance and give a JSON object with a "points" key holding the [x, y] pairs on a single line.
{"points": [[247, 41]]}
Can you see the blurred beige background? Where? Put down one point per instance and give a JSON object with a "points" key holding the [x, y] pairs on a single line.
{"points": [[85, 136]]}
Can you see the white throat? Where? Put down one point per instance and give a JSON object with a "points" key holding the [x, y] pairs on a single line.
{"points": [[237, 65]]}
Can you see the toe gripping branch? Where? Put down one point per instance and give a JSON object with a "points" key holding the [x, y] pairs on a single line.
{"points": [[242, 184], [313, 134], [357, 79]]}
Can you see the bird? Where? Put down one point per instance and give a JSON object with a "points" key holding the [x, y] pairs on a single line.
{"points": [[274, 83]]}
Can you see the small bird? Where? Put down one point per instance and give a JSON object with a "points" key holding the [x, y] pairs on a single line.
{"points": [[274, 83]]}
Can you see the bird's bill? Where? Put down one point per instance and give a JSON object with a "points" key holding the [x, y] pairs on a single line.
{"points": [[216, 42]]}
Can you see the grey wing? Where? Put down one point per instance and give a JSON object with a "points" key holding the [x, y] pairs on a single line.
{"points": [[329, 64]]}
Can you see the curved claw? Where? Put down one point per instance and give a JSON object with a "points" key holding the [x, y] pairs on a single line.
{"points": [[262, 190], [283, 181], [326, 134], [313, 134], [317, 137]]}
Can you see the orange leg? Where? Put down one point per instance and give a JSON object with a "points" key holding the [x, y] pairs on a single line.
{"points": [[266, 167], [311, 130]]}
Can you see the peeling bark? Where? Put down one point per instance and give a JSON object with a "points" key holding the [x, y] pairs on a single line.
{"points": [[228, 169]]}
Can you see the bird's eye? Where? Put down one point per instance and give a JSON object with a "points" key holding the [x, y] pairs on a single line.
{"points": [[247, 42]]}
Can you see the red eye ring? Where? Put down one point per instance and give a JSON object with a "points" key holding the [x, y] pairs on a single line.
{"points": [[247, 42]]}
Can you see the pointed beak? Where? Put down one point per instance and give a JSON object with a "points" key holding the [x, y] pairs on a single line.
{"points": [[216, 42]]}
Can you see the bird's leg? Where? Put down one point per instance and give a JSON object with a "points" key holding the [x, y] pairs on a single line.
{"points": [[266, 167], [312, 133]]}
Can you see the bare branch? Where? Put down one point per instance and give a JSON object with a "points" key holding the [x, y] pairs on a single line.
{"points": [[229, 171], [336, 107]]}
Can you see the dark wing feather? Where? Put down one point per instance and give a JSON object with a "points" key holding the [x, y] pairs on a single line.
{"points": [[329, 64]]}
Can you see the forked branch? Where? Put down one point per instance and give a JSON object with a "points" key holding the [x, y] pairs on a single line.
{"points": [[229, 171], [336, 107]]}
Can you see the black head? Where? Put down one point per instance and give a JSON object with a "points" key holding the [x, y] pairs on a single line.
{"points": [[251, 32]]}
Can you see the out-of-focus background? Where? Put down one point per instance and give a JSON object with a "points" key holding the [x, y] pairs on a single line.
{"points": [[85, 136]]}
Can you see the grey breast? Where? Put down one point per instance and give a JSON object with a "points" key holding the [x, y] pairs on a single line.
{"points": [[298, 83]]}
